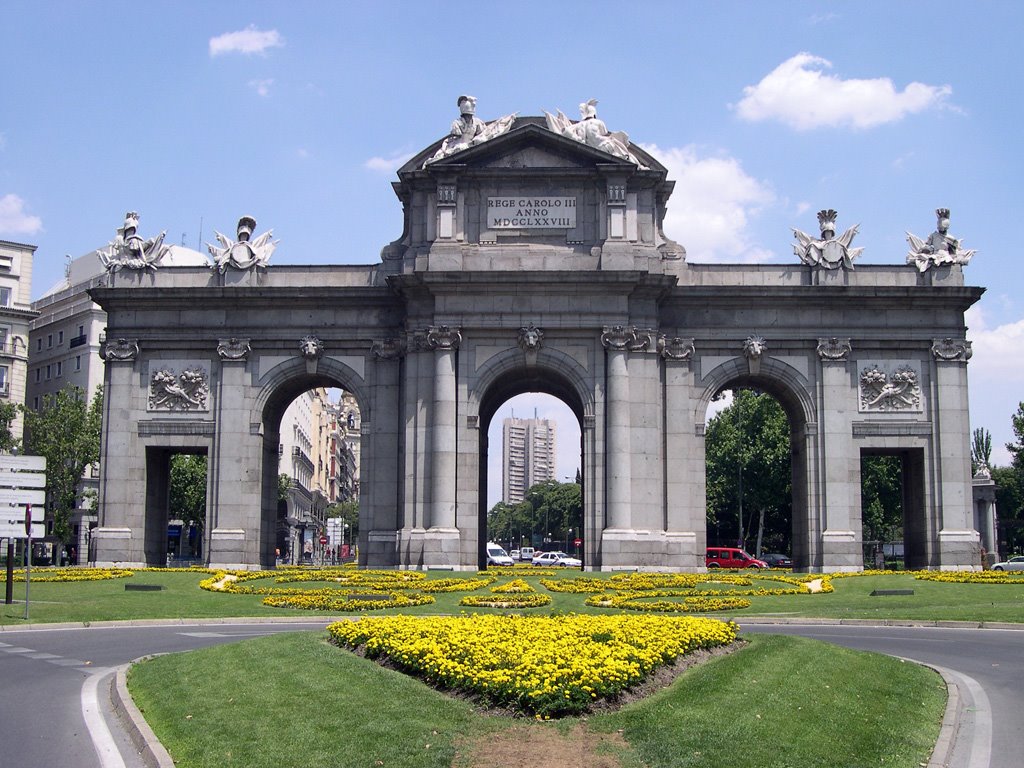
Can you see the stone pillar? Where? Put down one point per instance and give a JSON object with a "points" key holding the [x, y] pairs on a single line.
{"points": [[841, 548], [618, 455], [441, 547], [118, 540], [234, 537], [685, 513], [958, 542]]}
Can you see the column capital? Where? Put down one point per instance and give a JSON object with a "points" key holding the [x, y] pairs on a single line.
{"points": [[119, 350], [233, 349], [834, 349], [443, 337], [950, 350]]}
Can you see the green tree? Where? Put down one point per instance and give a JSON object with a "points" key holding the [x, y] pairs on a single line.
{"points": [[8, 413], [66, 430], [881, 494], [1010, 509], [348, 511], [749, 483], [188, 488], [1017, 449], [981, 449], [549, 508]]}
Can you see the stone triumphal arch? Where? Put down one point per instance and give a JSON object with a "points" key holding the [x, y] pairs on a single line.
{"points": [[533, 259]]}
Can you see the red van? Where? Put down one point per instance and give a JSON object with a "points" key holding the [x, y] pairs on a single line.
{"points": [[731, 557]]}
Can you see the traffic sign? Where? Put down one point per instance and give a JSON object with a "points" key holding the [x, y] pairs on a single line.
{"points": [[21, 497], [577, 542], [23, 463], [22, 479], [323, 539]]}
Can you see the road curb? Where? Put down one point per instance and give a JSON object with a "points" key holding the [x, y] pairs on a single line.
{"points": [[150, 749]]}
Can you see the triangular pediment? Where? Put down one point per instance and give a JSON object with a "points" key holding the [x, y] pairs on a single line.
{"points": [[528, 144]]}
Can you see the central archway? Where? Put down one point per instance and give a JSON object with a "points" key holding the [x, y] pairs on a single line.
{"points": [[513, 381]]}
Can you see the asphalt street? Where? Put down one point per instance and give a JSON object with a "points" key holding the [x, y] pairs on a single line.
{"points": [[56, 709]]}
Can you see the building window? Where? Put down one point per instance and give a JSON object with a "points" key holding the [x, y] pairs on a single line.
{"points": [[39, 344], [4, 388], [60, 368], [81, 330], [49, 340], [48, 372], [35, 403], [78, 362], [60, 337], [5, 297], [39, 375]]}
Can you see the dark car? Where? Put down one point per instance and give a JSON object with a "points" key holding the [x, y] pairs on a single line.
{"points": [[775, 560]]}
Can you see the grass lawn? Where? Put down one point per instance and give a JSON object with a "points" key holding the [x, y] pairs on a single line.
{"points": [[295, 700], [182, 598]]}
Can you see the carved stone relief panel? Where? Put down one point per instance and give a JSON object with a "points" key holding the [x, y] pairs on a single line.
{"points": [[889, 386], [952, 350], [179, 386]]}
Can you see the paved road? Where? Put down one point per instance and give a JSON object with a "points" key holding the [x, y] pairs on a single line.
{"points": [[55, 710]]}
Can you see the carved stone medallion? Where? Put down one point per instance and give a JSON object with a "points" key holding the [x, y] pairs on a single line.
{"points": [[676, 348], [834, 348], [443, 337], [952, 350], [388, 349], [120, 350], [233, 349]]}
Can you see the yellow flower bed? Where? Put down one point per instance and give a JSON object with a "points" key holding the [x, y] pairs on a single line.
{"points": [[506, 601], [333, 600], [972, 577], [70, 574], [546, 666], [641, 601], [513, 587], [455, 584]]}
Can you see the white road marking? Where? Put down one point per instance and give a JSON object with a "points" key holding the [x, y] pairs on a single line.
{"points": [[102, 739]]}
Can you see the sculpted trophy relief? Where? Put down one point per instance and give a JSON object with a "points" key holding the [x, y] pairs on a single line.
{"points": [[828, 251], [243, 253], [128, 250], [940, 249]]}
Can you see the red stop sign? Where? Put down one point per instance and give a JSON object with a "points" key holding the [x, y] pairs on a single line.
{"points": [[577, 542], [323, 539]]}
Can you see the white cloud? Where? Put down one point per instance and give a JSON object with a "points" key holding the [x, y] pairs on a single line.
{"points": [[711, 205], [996, 376], [248, 41], [13, 218], [799, 94], [388, 164], [262, 87]]}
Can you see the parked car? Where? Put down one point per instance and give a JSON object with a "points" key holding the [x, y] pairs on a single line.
{"points": [[496, 555], [1013, 564], [568, 561], [547, 558], [514, 554], [527, 553], [731, 557], [775, 560]]}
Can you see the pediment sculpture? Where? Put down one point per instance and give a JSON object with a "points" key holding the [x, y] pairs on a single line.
{"points": [[592, 131], [246, 252], [940, 249], [469, 130], [129, 250], [828, 251]]}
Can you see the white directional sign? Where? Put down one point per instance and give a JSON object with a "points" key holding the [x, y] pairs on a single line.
{"points": [[22, 479], [12, 523], [21, 497], [23, 463]]}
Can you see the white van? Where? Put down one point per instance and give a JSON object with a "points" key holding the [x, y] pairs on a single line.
{"points": [[496, 555], [526, 553]]}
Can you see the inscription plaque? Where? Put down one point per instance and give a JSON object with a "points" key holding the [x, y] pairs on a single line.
{"points": [[531, 212]]}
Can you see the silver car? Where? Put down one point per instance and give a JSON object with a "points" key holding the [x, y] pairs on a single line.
{"points": [[1013, 564]]}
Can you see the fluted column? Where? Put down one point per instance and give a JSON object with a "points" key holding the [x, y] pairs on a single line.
{"points": [[444, 341], [617, 455]]}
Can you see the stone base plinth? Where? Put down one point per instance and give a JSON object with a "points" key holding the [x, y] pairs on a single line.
{"points": [[379, 550], [114, 548], [841, 552], [229, 550], [639, 550], [959, 550]]}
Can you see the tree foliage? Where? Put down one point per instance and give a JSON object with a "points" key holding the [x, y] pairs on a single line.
{"points": [[8, 413], [66, 430], [748, 467], [188, 488], [348, 511], [881, 487], [981, 449], [550, 510]]}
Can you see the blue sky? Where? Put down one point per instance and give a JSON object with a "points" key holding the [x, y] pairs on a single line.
{"points": [[298, 113]]}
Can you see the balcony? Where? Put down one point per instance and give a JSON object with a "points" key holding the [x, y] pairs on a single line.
{"points": [[78, 341]]}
